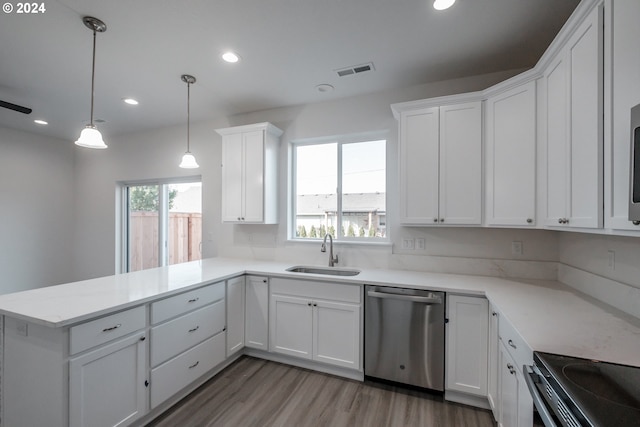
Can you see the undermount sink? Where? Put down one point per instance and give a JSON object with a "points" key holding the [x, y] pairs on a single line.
{"points": [[331, 271]]}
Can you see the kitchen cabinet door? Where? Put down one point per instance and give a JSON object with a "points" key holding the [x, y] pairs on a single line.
{"points": [[460, 195], [440, 154], [250, 173], [515, 406], [257, 313], [232, 182], [235, 314], [494, 362], [511, 157], [467, 332], [291, 320], [622, 90], [107, 385], [574, 138], [336, 333], [419, 159]]}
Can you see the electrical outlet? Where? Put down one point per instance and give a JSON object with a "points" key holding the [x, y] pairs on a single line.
{"points": [[22, 329], [420, 243], [516, 247], [408, 244], [611, 261]]}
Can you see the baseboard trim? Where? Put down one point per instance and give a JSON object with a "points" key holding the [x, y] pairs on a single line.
{"points": [[467, 399]]}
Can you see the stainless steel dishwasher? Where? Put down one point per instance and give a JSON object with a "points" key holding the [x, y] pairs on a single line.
{"points": [[404, 336]]}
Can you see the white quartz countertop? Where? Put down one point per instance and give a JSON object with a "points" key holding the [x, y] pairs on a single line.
{"points": [[550, 316]]}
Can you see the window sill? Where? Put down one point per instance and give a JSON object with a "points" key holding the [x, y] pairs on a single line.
{"points": [[377, 243]]}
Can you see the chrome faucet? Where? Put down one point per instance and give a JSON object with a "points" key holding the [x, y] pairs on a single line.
{"points": [[332, 260]]}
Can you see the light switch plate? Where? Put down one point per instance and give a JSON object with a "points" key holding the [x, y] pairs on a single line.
{"points": [[420, 243]]}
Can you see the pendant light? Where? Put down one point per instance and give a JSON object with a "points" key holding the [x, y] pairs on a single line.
{"points": [[188, 160], [443, 4], [91, 137]]}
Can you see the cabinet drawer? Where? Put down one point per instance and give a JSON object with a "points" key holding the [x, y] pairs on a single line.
{"points": [[172, 376], [174, 337], [313, 289], [515, 345], [179, 304], [105, 329]]}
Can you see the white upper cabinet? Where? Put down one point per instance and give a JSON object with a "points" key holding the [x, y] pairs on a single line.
{"points": [[511, 157], [622, 91], [572, 143], [440, 154], [250, 173]]}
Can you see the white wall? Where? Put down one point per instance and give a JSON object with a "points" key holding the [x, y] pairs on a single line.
{"points": [[36, 217], [155, 154]]}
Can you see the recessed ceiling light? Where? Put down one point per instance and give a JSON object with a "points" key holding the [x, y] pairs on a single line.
{"points": [[231, 57], [130, 101], [443, 4], [41, 122], [324, 88]]}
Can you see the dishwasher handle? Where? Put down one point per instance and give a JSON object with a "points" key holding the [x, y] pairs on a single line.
{"points": [[411, 298], [545, 414]]}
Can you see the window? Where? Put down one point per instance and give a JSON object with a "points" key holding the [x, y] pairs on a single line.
{"points": [[162, 224], [339, 188]]}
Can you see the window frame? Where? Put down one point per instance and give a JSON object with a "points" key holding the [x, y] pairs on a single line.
{"points": [[340, 140], [122, 223]]}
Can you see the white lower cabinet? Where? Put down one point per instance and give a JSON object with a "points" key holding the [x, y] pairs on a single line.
{"points": [[256, 326], [316, 321], [466, 360], [493, 362], [514, 404], [515, 409], [107, 386], [235, 314]]}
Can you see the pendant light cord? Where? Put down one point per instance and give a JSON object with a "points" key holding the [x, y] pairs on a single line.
{"points": [[93, 73], [188, 113]]}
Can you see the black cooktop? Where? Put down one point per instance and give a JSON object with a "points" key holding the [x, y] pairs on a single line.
{"points": [[607, 394]]}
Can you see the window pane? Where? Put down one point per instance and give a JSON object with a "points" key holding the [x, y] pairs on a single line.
{"points": [[143, 227], [316, 184], [185, 222], [364, 189]]}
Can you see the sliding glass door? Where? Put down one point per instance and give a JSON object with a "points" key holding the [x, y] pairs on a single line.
{"points": [[163, 224]]}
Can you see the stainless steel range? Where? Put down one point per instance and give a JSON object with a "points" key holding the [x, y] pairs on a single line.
{"points": [[574, 392]]}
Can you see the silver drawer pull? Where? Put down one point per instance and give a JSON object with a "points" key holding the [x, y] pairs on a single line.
{"points": [[510, 367], [194, 365], [512, 344], [112, 328], [194, 329], [194, 299]]}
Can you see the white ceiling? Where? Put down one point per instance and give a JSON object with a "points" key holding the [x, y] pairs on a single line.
{"points": [[287, 48]]}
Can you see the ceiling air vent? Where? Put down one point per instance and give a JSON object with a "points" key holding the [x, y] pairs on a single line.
{"points": [[356, 69]]}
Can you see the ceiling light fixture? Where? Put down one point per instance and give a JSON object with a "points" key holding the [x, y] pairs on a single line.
{"points": [[130, 101], [41, 122], [443, 4], [188, 160], [231, 57], [91, 137]]}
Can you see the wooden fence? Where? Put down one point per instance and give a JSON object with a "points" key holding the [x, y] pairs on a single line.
{"points": [[184, 239]]}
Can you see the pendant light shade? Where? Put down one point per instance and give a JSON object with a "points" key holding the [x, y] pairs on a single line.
{"points": [[443, 4], [91, 137], [188, 160]]}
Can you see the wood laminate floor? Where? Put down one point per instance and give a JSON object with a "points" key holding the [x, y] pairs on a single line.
{"points": [[255, 392]]}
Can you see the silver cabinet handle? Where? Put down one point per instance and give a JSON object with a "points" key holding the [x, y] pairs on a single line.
{"points": [[435, 219], [494, 313], [194, 299], [112, 328], [512, 344], [510, 368], [194, 329], [441, 219], [412, 298], [529, 220], [560, 221], [635, 222], [194, 365]]}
